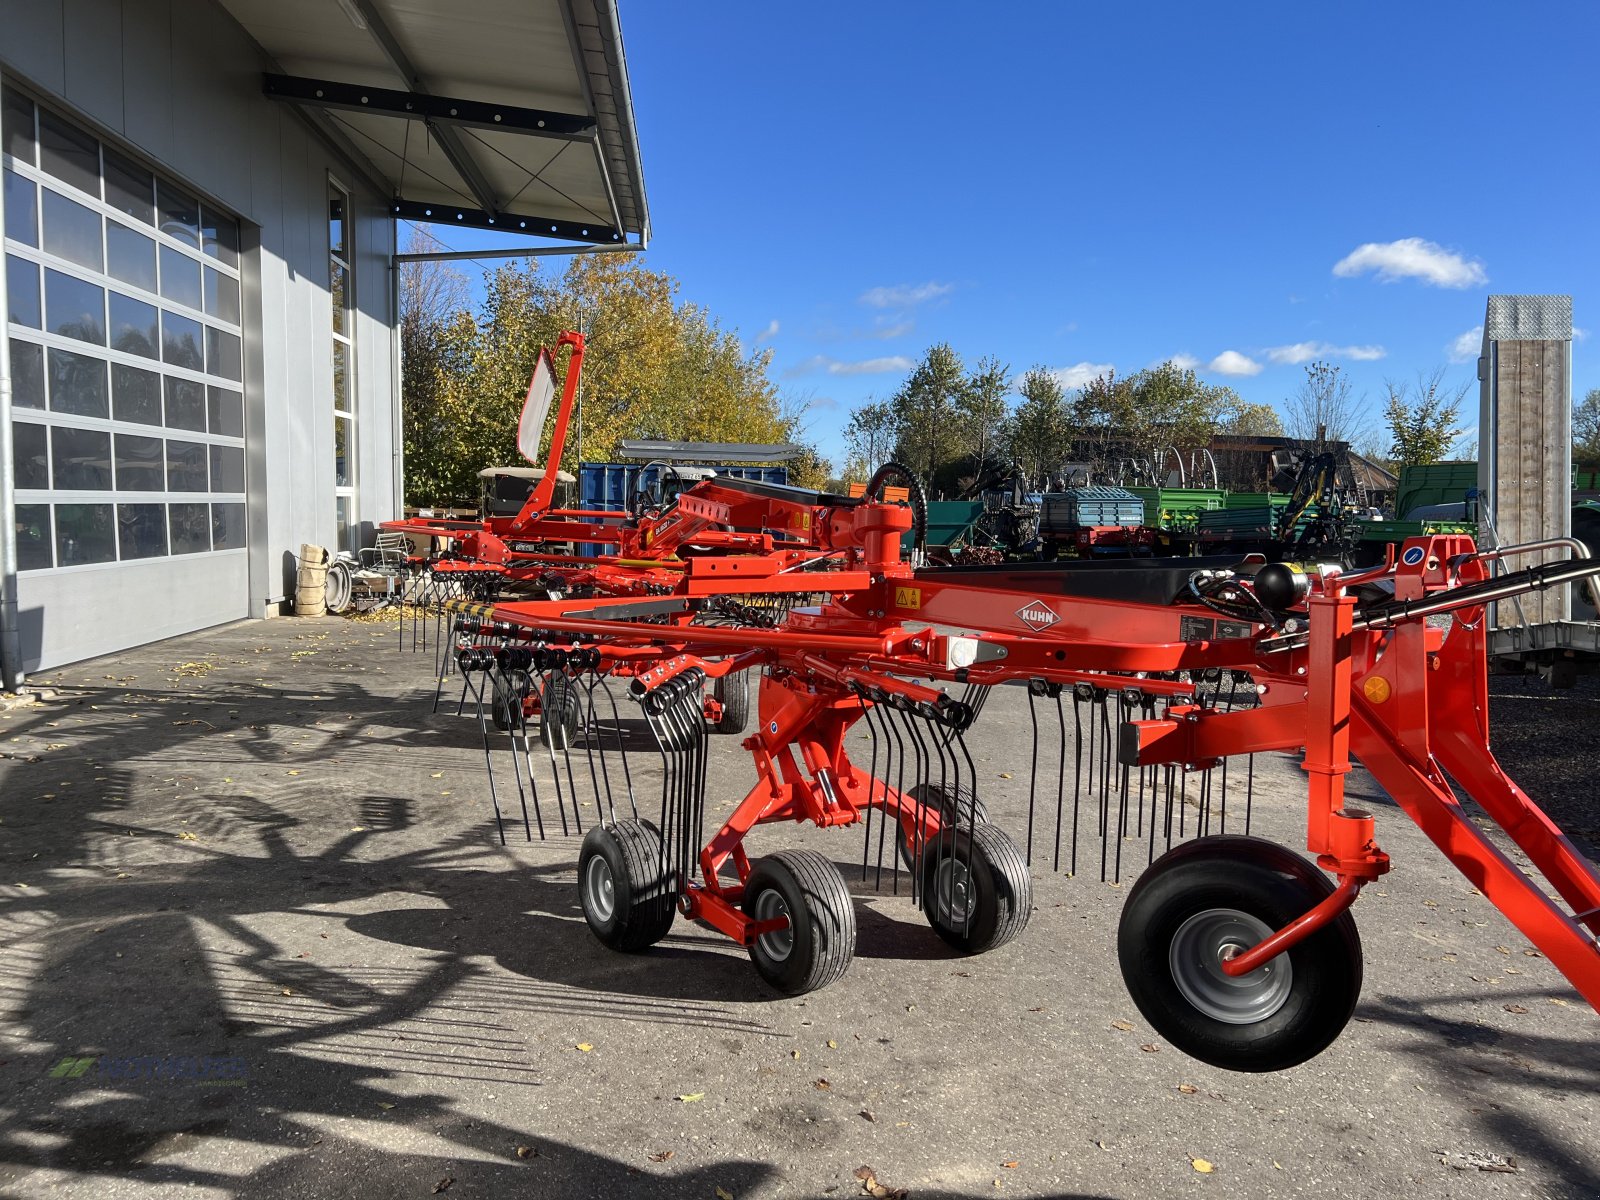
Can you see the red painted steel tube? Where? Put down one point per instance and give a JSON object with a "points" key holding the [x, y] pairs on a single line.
{"points": [[1295, 932]]}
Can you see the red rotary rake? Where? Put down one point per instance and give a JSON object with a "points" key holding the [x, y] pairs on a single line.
{"points": [[1237, 950], [1156, 674]]}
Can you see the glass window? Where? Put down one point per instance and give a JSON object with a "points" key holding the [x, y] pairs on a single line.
{"points": [[135, 326], [135, 395], [220, 234], [341, 377], [180, 277], [81, 459], [74, 308], [22, 209], [180, 342], [142, 529], [129, 187], [226, 410], [336, 206], [72, 231], [85, 533], [141, 464], [222, 296], [130, 256], [180, 214], [341, 518], [33, 537], [227, 526], [343, 448], [341, 299], [30, 454], [191, 527], [22, 292], [68, 153], [77, 385], [27, 375], [16, 131], [227, 469], [222, 353], [186, 467], [186, 404]]}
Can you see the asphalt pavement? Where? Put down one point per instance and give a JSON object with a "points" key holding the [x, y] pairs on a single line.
{"points": [[259, 937]]}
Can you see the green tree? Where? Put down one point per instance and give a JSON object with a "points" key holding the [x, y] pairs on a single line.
{"points": [[1039, 434], [1586, 430], [1422, 424], [870, 436], [926, 408], [1325, 409], [435, 341], [981, 407], [1257, 420]]}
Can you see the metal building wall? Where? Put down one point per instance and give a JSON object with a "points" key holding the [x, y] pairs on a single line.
{"points": [[180, 83]]}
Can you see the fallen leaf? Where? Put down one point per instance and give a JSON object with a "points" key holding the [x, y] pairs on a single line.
{"points": [[186, 836], [288, 991], [1041, 1008], [1201, 1165], [692, 1097], [1515, 1008], [1188, 1089], [868, 1115], [1555, 1000], [527, 1152], [794, 1054], [444, 1185], [822, 1085], [291, 772], [1005, 774], [385, 1105], [1150, 1048], [662, 1155], [358, 829], [1276, 1165], [724, 1194], [832, 1045], [437, 775], [1122, 1025], [1012, 1165]]}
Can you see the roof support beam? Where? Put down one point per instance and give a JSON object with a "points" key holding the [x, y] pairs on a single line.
{"points": [[437, 110], [446, 214]]}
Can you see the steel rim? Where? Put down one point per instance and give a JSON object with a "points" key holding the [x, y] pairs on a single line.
{"points": [[599, 889], [952, 891], [779, 944], [1195, 957]]}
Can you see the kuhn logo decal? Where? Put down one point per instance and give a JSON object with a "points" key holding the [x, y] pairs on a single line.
{"points": [[1037, 616]]}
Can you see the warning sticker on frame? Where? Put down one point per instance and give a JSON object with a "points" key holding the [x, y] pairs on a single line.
{"points": [[1197, 629], [907, 597]]}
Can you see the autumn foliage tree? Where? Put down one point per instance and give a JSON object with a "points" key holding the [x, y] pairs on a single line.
{"points": [[655, 367], [1423, 422]]}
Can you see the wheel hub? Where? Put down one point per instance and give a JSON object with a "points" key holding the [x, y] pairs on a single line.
{"points": [[1200, 947], [779, 943], [952, 884], [599, 889]]}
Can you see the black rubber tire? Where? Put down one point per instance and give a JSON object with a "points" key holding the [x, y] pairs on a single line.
{"points": [[822, 920], [506, 697], [965, 808], [1001, 890], [643, 902], [1274, 886], [732, 691], [558, 712]]}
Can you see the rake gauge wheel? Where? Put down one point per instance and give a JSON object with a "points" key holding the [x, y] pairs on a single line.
{"points": [[558, 707], [732, 691], [1210, 899], [958, 811], [624, 887], [820, 941], [976, 890], [505, 706]]}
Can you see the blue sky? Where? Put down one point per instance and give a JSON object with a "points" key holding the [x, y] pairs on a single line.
{"points": [[1083, 186]]}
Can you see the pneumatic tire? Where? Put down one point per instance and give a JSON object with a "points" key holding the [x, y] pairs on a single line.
{"points": [[624, 887], [976, 890], [816, 948]]}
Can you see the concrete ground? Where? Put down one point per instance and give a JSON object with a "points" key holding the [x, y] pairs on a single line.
{"points": [[257, 938]]}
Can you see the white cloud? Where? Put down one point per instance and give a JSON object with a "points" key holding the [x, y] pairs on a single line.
{"points": [[1412, 258], [767, 334], [1579, 335], [1078, 375], [834, 366], [1304, 352], [1231, 362], [1184, 362], [891, 329], [1466, 347], [905, 295]]}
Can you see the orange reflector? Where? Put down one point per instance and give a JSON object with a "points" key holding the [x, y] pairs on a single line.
{"points": [[1377, 688]]}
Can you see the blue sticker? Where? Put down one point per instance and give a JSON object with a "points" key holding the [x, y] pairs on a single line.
{"points": [[1412, 556]]}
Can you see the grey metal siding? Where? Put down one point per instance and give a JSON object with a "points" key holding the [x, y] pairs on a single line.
{"points": [[180, 82]]}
